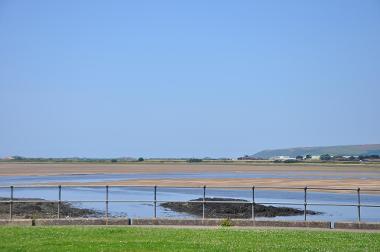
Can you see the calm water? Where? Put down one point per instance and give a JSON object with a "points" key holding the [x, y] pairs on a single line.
{"points": [[16, 180], [331, 213]]}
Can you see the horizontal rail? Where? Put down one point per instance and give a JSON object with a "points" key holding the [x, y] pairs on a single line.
{"points": [[200, 187], [191, 201]]}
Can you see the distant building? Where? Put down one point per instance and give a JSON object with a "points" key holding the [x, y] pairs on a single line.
{"points": [[315, 157], [348, 157], [246, 157], [281, 158]]}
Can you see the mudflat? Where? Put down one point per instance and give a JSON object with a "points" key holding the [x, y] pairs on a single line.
{"points": [[367, 184], [44, 169], [365, 176]]}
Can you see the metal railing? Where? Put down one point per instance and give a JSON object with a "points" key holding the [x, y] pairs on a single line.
{"points": [[154, 201]]}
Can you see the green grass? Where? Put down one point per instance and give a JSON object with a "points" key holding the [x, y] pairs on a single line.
{"points": [[175, 239]]}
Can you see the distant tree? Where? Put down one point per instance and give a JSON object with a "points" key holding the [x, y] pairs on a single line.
{"points": [[140, 159], [290, 161], [194, 160], [299, 157], [308, 156], [352, 158], [325, 157], [113, 160], [368, 157]]}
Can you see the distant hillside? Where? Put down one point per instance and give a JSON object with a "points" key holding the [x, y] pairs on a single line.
{"points": [[342, 150]]}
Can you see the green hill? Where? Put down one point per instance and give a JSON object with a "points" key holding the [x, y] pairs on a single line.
{"points": [[342, 150]]}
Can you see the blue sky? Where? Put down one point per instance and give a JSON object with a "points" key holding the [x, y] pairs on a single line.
{"points": [[187, 78]]}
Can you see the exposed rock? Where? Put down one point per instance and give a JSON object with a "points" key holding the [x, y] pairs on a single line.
{"points": [[231, 210], [34, 210]]}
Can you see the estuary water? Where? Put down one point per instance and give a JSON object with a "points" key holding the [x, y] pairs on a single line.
{"points": [[146, 209]]}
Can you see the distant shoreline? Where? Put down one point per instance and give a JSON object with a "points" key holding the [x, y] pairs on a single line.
{"points": [[243, 183], [348, 175], [46, 169]]}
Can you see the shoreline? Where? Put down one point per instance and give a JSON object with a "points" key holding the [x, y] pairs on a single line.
{"points": [[51, 169], [331, 176], [244, 184]]}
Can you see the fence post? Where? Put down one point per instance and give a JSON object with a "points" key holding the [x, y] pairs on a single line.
{"points": [[11, 204], [359, 217], [59, 201], [204, 203], [106, 201], [305, 202], [253, 203], [155, 201]]}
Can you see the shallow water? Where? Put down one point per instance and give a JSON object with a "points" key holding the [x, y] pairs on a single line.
{"points": [[133, 209], [85, 178]]}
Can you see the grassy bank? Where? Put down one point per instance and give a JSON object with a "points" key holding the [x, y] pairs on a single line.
{"points": [[174, 239]]}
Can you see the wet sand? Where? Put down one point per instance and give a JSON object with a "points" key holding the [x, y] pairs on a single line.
{"points": [[44, 169], [350, 175], [249, 182]]}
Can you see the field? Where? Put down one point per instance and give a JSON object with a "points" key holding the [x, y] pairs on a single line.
{"points": [[186, 239]]}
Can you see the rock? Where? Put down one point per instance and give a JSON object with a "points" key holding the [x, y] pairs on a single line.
{"points": [[33, 210], [231, 210]]}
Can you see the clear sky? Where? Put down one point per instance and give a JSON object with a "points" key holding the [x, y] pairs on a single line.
{"points": [[187, 78]]}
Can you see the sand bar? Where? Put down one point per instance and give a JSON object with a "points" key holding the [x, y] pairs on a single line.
{"points": [[350, 176], [248, 182], [44, 169]]}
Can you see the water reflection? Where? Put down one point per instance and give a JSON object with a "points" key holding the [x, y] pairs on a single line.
{"points": [[146, 209]]}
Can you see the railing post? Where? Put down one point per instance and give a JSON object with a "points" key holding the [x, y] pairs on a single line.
{"points": [[305, 203], [106, 201], [359, 217], [59, 200], [204, 203], [155, 201], [11, 204], [253, 203]]}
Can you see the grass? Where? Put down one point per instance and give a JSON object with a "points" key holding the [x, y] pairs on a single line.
{"points": [[176, 239]]}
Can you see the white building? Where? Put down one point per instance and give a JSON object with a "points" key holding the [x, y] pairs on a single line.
{"points": [[281, 158]]}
